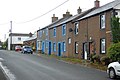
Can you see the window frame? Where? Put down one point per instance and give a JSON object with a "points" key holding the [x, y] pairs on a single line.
{"points": [[76, 48], [63, 29], [54, 32], [102, 46], [54, 47], [46, 31], [19, 38], [76, 28], [64, 46], [102, 21], [69, 40], [40, 33]]}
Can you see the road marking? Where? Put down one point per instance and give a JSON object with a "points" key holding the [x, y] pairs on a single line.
{"points": [[7, 72], [1, 59]]}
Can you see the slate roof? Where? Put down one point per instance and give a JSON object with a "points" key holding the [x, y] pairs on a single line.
{"points": [[19, 34], [103, 8]]}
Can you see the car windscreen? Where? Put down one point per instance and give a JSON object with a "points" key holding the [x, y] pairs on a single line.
{"points": [[28, 47]]}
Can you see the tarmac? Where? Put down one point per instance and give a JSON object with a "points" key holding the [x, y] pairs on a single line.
{"points": [[2, 76]]}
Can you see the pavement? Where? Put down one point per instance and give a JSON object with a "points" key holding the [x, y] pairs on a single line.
{"points": [[2, 76]]}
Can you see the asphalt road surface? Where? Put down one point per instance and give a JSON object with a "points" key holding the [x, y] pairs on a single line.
{"points": [[18, 66]]}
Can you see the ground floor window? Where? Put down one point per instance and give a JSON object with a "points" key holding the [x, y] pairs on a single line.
{"points": [[76, 47], [102, 42], [64, 47], [54, 47]]}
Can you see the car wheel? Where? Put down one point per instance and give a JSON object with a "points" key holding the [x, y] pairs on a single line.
{"points": [[112, 74]]}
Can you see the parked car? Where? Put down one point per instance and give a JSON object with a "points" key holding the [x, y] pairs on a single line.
{"points": [[113, 69], [27, 49], [18, 48]]}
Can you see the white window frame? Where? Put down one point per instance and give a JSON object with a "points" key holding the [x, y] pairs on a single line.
{"points": [[76, 27], [63, 29], [102, 21], [54, 47], [76, 47], [54, 32], [64, 46], [46, 31], [103, 49], [69, 40]]}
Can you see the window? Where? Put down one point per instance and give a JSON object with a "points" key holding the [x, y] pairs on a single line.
{"points": [[64, 47], [46, 31], [40, 33], [19, 38], [54, 32], [46, 44], [54, 47], [76, 28], [76, 47], [69, 40], [102, 21], [63, 29], [102, 41]]}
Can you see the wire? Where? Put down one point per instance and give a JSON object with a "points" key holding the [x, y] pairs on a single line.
{"points": [[4, 23], [44, 13]]}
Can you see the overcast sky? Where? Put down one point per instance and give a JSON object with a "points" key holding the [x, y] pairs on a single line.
{"points": [[20, 11]]}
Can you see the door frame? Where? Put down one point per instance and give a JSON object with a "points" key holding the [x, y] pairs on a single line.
{"points": [[86, 51], [59, 49], [50, 48]]}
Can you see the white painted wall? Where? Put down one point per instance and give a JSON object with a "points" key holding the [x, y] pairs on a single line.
{"points": [[15, 40]]}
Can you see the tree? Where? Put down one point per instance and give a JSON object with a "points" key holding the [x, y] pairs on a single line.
{"points": [[115, 27]]}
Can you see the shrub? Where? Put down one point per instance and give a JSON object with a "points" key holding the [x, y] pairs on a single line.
{"points": [[96, 58], [105, 60], [91, 57], [114, 52]]}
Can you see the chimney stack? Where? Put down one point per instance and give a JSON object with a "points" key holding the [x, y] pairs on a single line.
{"points": [[97, 4], [54, 18], [67, 14], [79, 10]]}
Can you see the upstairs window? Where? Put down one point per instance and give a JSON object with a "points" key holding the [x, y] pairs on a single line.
{"points": [[102, 21], [40, 33], [102, 42], [76, 28], [63, 29], [54, 32], [46, 31]]}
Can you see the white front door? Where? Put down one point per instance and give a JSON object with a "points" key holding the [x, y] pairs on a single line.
{"points": [[85, 51]]}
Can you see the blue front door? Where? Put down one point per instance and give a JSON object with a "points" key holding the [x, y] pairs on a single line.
{"points": [[43, 47], [59, 49], [49, 52]]}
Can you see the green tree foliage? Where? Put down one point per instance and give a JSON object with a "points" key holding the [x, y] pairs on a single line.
{"points": [[115, 26], [114, 52]]}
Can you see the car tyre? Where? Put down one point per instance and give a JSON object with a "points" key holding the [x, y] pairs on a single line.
{"points": [[112, 73]]}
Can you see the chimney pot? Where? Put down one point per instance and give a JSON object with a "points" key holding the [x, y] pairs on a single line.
{"points": [[67, 14], [79, 10], [54, 18], [97, 4]]}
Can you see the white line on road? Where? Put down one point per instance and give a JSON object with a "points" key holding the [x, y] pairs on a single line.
{"points": [[7, 72], [1, 59]]}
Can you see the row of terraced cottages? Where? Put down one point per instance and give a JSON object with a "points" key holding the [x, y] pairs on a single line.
{"points": [[85, 33]]}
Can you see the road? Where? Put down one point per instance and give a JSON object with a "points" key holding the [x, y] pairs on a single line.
{"points": [[19, 66]]}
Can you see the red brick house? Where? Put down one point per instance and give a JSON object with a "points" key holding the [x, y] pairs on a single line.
{"points": [[86, 33]]}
